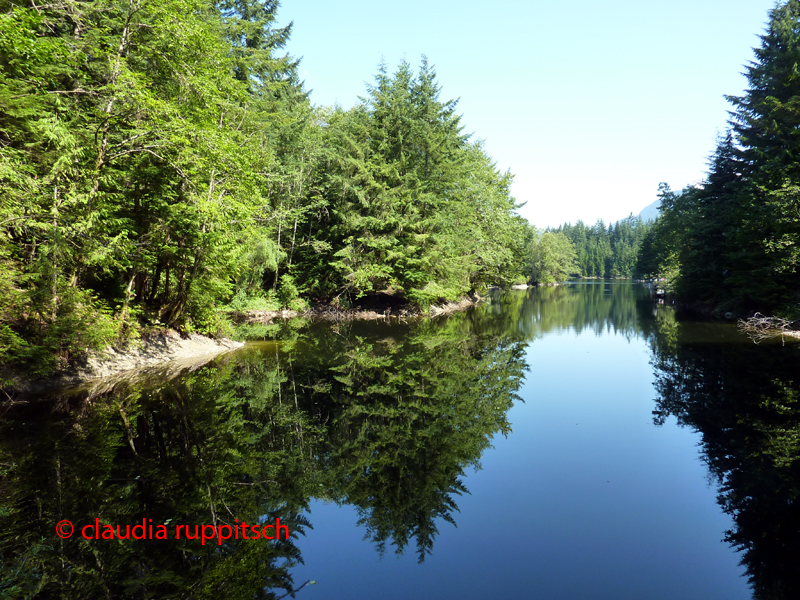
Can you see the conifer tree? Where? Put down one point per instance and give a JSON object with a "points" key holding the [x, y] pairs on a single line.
{"points": [[420, 213], [736, 238], [766, 120]]}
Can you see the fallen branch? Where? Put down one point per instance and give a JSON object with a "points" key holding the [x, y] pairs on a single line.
{"points": [[760, 327], [293, 592]]}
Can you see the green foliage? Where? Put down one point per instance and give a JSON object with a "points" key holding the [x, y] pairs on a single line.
{"points": [[431, 294], [289, 295], [732, 242], [162, 159], [608, 252], [417, 211], [660, 251], [553, 258], [135, 161]]}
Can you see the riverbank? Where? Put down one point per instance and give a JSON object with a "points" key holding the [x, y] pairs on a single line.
{"points": [[756, 325], [326, 312], [152, 350], [168, 349]]}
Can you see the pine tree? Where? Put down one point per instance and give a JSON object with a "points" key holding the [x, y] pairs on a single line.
{"points": [[766, 121]]}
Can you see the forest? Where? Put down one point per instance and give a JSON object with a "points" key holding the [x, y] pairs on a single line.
{"points": [[607, 252], [731, 242], [161, 163]]}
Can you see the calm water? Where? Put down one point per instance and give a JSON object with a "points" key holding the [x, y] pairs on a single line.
{"points": [[570, 442]]}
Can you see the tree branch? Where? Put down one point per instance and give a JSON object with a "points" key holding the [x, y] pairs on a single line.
{"points": [[293, 592]]}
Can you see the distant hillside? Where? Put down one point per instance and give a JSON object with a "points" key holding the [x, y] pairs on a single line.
{"points": [[650, 212]]}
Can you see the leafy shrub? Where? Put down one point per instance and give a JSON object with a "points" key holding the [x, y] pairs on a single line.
{"points": [[433, 293], [287, 290], [243, 301]]}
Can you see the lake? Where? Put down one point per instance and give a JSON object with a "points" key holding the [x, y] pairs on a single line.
{"points": [[578, 441]]}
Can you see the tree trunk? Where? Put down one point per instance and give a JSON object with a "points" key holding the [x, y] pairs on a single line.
{"points": [[116, 69]]}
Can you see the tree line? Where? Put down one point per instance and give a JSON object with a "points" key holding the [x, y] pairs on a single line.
{"points": [[579, 250], [731, 242], [606, 251], [161, 160]]}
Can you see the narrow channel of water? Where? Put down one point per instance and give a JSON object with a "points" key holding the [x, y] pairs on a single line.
{"points": [[570, 442]]}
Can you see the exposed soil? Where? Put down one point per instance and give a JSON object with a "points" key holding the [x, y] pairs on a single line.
{"points": [[169, 353], [160, 347], [157, 349]]}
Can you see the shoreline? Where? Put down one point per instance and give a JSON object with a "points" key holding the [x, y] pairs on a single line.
{"points": [[164, 349], [326, 313], [759, 327], [172, 352]]}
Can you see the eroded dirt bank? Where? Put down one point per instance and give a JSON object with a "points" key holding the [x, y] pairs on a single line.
{"points": [[171, 352], [161, 349]]}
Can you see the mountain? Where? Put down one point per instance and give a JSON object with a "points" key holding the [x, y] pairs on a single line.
{"points": [[650, 212]]}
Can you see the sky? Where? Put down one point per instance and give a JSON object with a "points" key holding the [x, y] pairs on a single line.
{"points": [[589, 104]]}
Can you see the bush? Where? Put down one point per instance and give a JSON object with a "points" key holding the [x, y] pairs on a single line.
{"points": [[243, 301], [287, 290], [433, 293]]}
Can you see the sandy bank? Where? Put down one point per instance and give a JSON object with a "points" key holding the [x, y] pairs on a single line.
{"points": [[164, 350]]}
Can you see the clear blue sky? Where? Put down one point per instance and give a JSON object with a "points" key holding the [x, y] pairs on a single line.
{"points": [[589, 104]]}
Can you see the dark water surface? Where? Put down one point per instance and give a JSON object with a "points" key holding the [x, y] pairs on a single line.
{"points": [[570, 442]]}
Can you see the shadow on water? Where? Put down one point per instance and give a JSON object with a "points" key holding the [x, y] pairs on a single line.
{"points": [[382, 417], [385, 417], [743, 399]]}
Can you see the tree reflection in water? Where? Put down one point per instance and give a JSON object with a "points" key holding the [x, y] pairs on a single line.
{"points": [[743, 399], [384, 417]]}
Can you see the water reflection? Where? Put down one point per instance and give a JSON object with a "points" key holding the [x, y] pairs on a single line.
{"points": [[388, 418], [743, 398], [601, 307], [177, 454], [385, 418]]}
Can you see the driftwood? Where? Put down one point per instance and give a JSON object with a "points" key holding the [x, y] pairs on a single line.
{"points": [[293, 592], [760, 327]]}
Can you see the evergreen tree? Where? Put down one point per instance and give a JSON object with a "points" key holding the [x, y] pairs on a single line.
{"points": [[159, 160], [419, 213], [709, 258], [132, 167], [733, 241], [767, 121], [606, 251]]}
